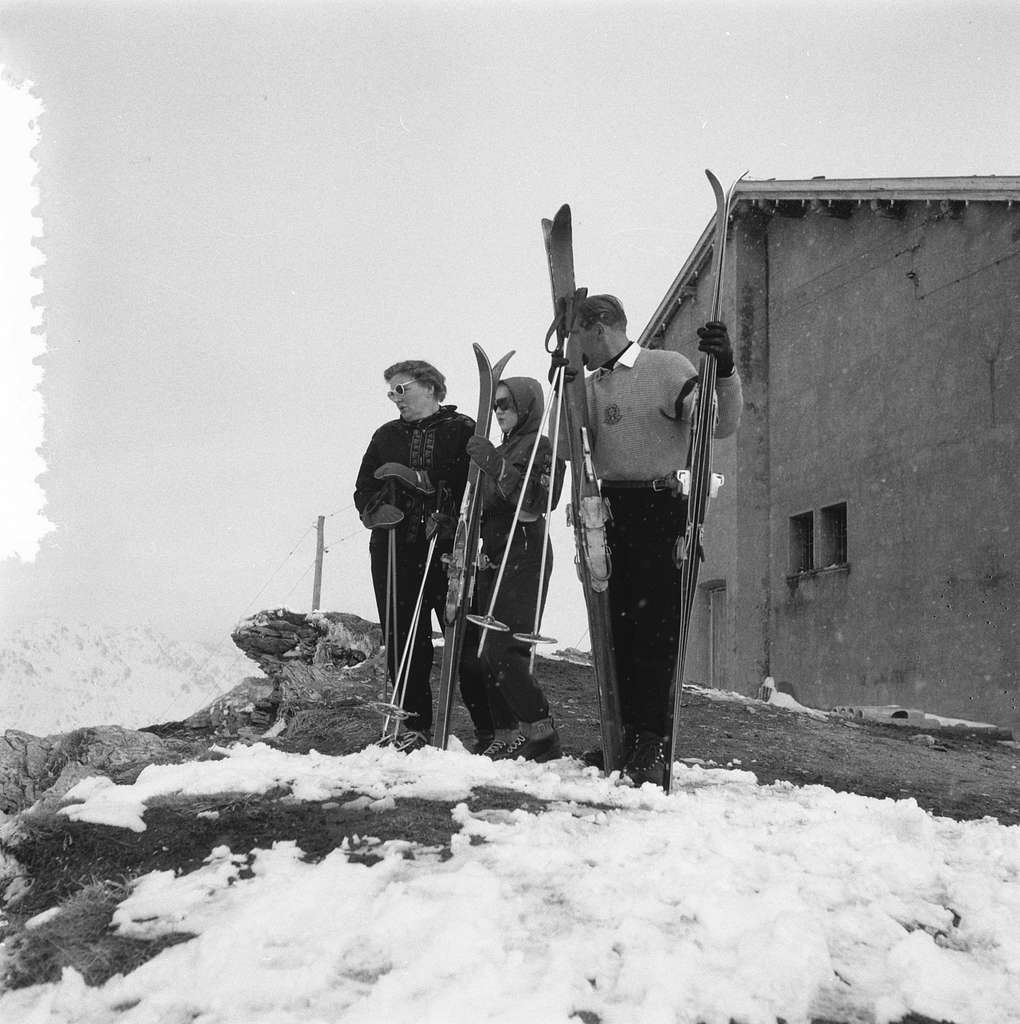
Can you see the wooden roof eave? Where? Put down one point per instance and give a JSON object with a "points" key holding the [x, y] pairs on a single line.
{"points": [[958, 189], [965, 189], [693, 265]]}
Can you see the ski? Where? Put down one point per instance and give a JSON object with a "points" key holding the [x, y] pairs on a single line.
{"points": [[464, 557], [699, 482], [587, 512]]}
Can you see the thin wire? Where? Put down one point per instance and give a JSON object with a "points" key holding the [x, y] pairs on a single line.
{"points": [[297, 581], [201, 668], [340, 511], [277, 569], [219, 647], [345, 537]]}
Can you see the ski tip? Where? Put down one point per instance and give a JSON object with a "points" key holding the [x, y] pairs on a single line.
{"points": [[498, 368], [562, 215], [559, 223], [716, 184]]}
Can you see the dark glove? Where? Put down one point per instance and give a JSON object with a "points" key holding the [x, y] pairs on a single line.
{"points": [[557, 360], [483, 454], [715, 340], [441, 525], [416, 479], [381, 516]]}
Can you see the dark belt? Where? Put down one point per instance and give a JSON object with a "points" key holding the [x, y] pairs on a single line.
{"points": [[663, 483]]}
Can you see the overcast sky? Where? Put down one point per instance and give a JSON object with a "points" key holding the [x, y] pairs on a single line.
{"points": [[250, 210]]}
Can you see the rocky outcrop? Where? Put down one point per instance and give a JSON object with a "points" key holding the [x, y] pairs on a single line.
{"points": [[320, 666], [280, 638], [326, 679], [46, 767]]}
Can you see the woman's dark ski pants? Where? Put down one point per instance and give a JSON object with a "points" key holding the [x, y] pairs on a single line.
{"points": [[514, 694], [410, 564]]}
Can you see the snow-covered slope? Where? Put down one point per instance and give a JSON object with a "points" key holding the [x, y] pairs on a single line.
{"points": [[55, 677]]}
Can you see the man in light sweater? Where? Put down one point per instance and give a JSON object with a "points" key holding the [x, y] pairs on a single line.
{"points": [[640, 403]]}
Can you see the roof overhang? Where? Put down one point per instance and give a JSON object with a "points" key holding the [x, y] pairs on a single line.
{"points": [[985, 189], [877, 193]]}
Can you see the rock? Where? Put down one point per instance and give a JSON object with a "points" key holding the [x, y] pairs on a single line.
{"points": [[318, 664], [24, 761], [326, 675], [276, 637], [34, 767]]}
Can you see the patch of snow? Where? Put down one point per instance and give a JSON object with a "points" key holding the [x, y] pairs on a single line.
{"points": [[724, 900]]}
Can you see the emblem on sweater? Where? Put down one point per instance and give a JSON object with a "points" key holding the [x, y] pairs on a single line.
{"points": [[613, 414]]}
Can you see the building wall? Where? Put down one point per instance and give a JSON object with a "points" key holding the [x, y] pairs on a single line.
{"points": [[893, 387], [879, 358]]}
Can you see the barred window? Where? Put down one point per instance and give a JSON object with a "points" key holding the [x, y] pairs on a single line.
{"points": [[802, 542], [833, 535]]}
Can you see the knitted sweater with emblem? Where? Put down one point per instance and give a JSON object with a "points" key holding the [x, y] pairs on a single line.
{"points": [[635, 432]]}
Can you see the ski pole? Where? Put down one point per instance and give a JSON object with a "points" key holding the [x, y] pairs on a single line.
{"points": [[487, 621], [390, 632], [395, 708], [400, 683], [534, 637]]}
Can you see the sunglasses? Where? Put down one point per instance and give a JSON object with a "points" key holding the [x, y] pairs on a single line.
{"points": [[398, 390], [503, 405]]}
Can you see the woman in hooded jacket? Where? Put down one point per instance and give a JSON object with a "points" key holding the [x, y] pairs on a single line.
{"points": [[520, 712]]}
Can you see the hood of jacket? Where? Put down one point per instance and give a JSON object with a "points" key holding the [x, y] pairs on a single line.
{"points": [[530, 404]]}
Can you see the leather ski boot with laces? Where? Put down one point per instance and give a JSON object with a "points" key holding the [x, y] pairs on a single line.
{"points": [[647, 761], [483, 740], [537, 741]]}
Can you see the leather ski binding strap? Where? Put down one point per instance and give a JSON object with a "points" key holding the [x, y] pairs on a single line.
{"points": [[563, 321], [594, 516]]}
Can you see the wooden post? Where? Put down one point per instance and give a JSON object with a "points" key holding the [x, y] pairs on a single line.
{"points": [[319, 549]]}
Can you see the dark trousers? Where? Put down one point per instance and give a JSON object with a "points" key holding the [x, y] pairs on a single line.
{"points": [[644, 598], [410, 564], [504, 666]]}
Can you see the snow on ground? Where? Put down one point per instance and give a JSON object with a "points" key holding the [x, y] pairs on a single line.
{"points": [[725, 900]]}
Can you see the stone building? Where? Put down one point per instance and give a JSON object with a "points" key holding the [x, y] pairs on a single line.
{"points": [[866, 545]]}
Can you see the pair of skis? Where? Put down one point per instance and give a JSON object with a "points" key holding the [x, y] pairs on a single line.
{"points": [[588, 509], [588, 513], [463, 559], [701, 482]]}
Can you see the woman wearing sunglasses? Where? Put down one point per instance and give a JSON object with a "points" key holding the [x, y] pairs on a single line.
{"points": [[408, 490], [520, 711]]}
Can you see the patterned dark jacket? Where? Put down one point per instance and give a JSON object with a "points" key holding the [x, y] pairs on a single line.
{"points": [[437, 444]]}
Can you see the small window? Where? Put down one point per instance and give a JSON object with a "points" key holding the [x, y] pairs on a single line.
{"points": [[833, 535], [802, 542]]}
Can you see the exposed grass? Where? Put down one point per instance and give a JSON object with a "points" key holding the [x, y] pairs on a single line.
{"points": [[85, 870], [79, 937]]}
